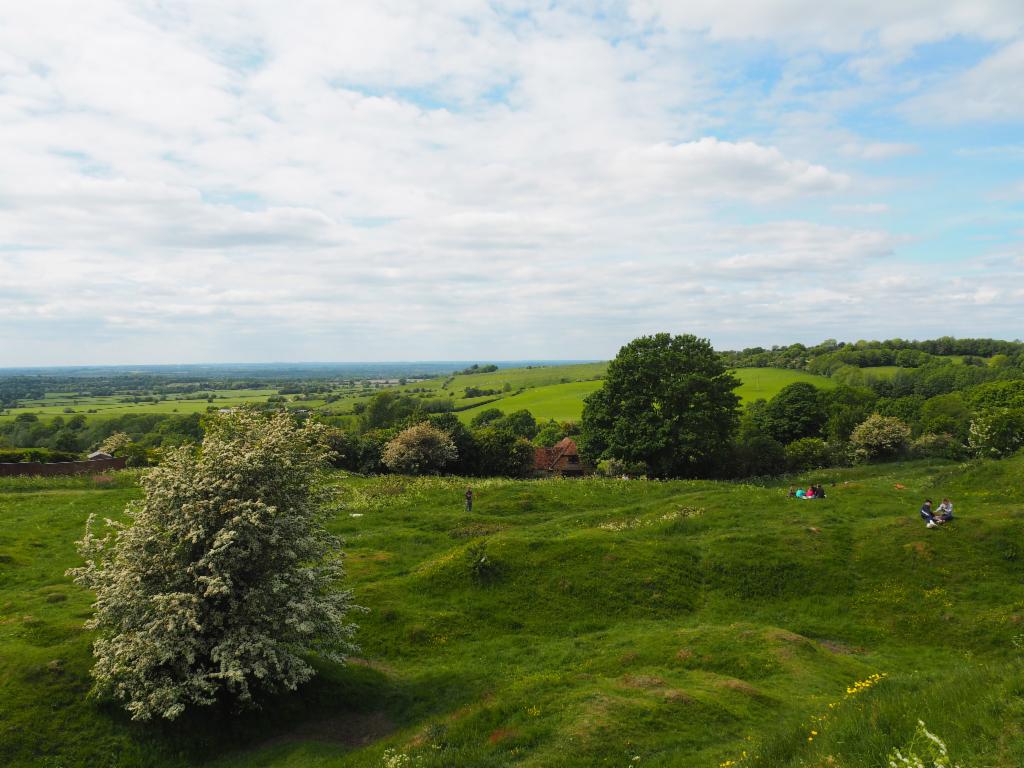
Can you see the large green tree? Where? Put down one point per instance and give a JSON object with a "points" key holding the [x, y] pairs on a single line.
{"points": [[796, 412], [667, 401]]}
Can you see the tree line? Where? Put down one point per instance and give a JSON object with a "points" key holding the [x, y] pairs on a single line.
{"points": [[668, 404]]}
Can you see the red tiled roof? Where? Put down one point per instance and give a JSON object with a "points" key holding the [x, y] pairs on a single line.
{"points": [[548, 459]]}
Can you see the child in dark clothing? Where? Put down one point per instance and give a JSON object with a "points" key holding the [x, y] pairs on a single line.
{"points": [[927, 515]]}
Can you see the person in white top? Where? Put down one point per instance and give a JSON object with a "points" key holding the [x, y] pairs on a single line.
{"points": [[945, 512]]}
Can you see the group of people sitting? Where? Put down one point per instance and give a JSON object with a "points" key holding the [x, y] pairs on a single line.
{"points": [[935, 518], [814, 492]]}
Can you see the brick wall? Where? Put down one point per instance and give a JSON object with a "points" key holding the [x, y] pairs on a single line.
{"points": [[94, 467]]}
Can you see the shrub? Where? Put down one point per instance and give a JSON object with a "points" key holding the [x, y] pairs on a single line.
{"points": [[807, 453], [503, 454], [483, 568], [997, 433], [116, 443], [936, 446], [225, 579], [17, 455], [619, 468], [420, 449], [879, 437], [758, 456]]}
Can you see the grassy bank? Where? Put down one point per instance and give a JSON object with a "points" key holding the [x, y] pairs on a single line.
{"points": [[614, 623]]}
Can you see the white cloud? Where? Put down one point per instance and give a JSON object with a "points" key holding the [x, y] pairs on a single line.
{"points": [[877, 150], [374, 180], [868, 208], [841, 25], [989, 91]]}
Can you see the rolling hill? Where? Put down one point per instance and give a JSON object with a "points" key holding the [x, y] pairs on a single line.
{"points": [[616, 623]]}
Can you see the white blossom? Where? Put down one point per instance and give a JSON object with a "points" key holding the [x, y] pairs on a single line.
{"points": [[224, 579]]}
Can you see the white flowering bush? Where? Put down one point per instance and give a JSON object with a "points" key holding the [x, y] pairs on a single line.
{"points": [[420, 449], [115, 443], [997, 433], [926, 750], [224, 577], [879, 437]]}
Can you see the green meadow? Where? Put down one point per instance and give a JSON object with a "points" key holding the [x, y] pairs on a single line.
{"points": [[548, 392], [583, 623], [767, 382], [561, 402]]}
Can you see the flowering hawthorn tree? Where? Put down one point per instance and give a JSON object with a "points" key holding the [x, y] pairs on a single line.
{"points": [[224, 577], [420, 449]]}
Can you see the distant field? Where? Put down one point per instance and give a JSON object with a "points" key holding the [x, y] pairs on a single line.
{"points": [[519, 378], [564, 402], [561, 402], [548, 392], [109, 407], [767, 382]]}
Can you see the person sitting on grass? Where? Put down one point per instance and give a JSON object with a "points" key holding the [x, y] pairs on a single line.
{"points": [[792, 492], [944, 513], [810, 493], [927, 515], [800, 493]]}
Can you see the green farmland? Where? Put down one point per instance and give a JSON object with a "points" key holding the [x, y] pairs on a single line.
{"points": [[548, 392], [620, 623], [767, 382], [564, 402], [561, 402]]}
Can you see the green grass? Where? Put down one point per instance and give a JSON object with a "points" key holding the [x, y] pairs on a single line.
{"points": [[679, 622], [768, 382], [561, 402], [110, 406], [548, 392], [564, 401]]}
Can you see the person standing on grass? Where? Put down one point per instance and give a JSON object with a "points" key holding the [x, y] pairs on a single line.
{"points": [[469, 499]]}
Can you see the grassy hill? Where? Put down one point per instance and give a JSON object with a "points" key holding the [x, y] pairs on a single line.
{"points": [[618, 623], [767, 382], [561, 402], [564, 401]]}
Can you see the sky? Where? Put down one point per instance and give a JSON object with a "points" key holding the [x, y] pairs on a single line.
{"points": [[220, 181]]}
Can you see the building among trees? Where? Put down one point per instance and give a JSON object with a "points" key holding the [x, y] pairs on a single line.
{"points": [[560, 460]]}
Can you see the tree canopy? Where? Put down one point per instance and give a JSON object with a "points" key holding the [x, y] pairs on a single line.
{"points": [[667, 401]]}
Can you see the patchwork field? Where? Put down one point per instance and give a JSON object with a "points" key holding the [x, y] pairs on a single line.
{"points": [[613, 623], [548, 392]]}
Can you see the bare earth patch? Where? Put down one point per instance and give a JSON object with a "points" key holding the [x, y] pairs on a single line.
{"points": [[501, 734], [676, 696], [919, 548], [840, 648], [643, 681], [740, 686]]}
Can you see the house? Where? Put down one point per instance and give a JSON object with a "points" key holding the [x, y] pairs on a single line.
{"points": [[560, 460], [99, 456]]}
